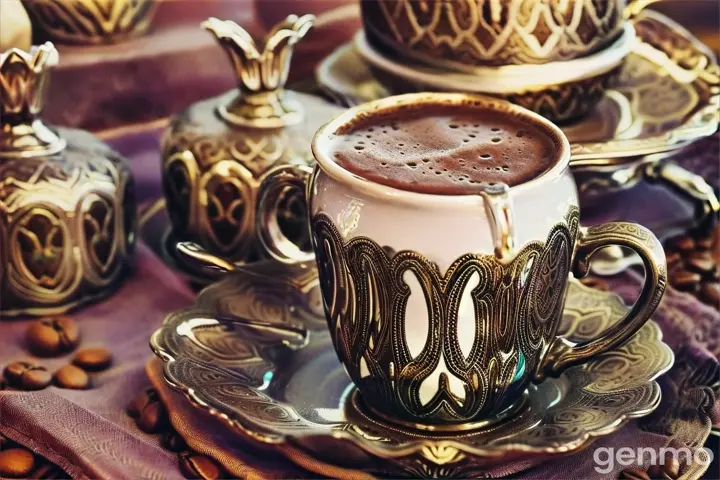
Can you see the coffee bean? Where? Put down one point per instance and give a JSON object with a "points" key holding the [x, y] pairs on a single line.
{"points": [[684, 243], [701, 262], [194, 465], [673, 258], [685, 281], [52, 336], [70, 376], [656, 473], [633, 474], [671, 465], [715, 247], [27, 376], [16, 463], [173, 442], [93, 359], [153, 418], [138, 405], [710, 293], [704, 243]]}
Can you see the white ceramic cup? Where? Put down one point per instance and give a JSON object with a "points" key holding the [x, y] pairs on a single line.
{"points": [[444, 307]]}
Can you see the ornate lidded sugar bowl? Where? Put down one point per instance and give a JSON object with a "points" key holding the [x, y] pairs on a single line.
{"points": [[218, 151], [90, 22], [67, 202]]}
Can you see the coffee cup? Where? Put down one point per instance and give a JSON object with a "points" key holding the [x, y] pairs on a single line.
{"points": [[443, 296], [463, 35]]}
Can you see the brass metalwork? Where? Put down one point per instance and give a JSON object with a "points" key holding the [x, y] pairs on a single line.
{"points": [[67, 202], [23, 80], [272, 391], [90, 21], [216, 153], [463, 34], [366, 294], [667, 95]]}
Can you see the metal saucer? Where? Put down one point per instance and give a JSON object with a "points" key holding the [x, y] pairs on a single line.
{"points": [[254, 351], [667, 95]]}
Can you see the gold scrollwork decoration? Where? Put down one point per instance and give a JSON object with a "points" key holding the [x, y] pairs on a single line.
{"points": [[517, 308], [90, 21], [466, 33]]}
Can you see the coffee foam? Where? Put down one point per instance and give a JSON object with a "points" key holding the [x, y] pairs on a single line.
{"points": [[444, 149]]}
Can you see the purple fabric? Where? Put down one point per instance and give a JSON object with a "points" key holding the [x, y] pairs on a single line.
{"points": [[88, 433]]}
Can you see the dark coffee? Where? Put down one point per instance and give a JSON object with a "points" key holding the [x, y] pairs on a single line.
{"points": [[444, 149]]}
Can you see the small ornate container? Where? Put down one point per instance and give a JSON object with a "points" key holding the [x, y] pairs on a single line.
{"points": [[218, 151], [67, 203], [90, 22]]}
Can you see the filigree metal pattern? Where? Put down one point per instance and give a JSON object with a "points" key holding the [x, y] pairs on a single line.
{"points": [[90, 21], [468, 33], [67, 202], [625, 123], [516, 307], [69, 226], [216, 153], [273, 391]]}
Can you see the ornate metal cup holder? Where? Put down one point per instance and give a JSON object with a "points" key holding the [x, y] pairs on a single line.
{"points": [[255, 352]]}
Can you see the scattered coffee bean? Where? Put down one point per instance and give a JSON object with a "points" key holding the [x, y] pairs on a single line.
{"points": [[153, 418], [174, 442], [705, 243], [701, 262], [93, 359], [684, 243], [70, 376], [138, 405], [673, 258], [149, 412], [671, 465], [633, 474], [16, 463], [685, 281], [27, 376], [710, 293], [656, 473], [52, 336], [194, 465]]}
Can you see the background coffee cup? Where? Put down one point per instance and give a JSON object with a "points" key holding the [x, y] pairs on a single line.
{"points": [[559, 91], [444, 308], [461, 35]]}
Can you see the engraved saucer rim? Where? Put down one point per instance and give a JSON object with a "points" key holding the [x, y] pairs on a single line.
{"points": [[581, 152], [245, 427]]}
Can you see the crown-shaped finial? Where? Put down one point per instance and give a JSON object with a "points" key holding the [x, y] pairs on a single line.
{"points": [[23, 81], [262, 71]]}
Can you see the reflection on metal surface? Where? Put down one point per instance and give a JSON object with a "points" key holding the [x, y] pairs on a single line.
{"points": [[67, 201], [90, 21], [563, 414], [463, 34], [660, 101], [217, 152]]}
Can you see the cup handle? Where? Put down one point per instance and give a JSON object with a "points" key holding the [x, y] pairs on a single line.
{"points": [[562, 354], [498, 208], [273, 241]]}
